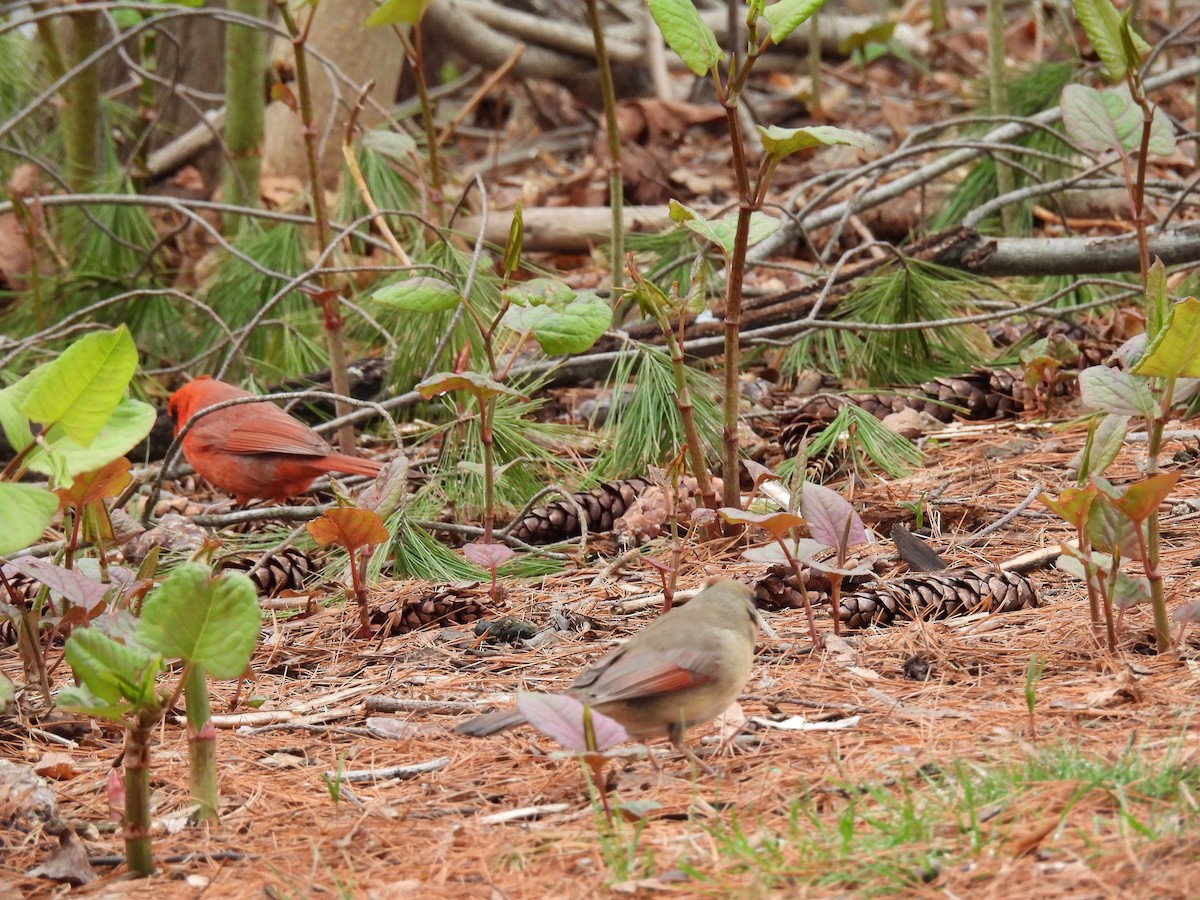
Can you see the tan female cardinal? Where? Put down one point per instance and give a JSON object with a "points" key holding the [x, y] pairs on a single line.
{"points": [[682, 669], [255, 449]]}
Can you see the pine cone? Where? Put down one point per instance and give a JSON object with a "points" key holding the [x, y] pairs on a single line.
{"points": [[453, 605], [938, 595], [602, 505], [289, 569]]}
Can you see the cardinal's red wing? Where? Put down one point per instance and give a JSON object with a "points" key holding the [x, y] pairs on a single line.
{"points": [[625, 676], [264, 432]]}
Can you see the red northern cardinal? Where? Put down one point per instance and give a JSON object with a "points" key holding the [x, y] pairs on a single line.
{"points": [[682, 669], [255, 449]]}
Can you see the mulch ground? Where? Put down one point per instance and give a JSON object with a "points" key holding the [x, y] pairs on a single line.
{"points": [[505, 817]]}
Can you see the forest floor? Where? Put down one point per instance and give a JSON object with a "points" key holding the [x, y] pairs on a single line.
{"points": [[947, 786]]}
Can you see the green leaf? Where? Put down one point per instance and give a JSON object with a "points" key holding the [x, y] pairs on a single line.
{"points": [[781, 142], [421, 294], [786, 16], [80, 389], [130, 422], [723, 231], [398, 12], [1158, 307], [1110, 120], [1102, 24], [516, 237], [1175, 350], [479, 385], [1106, 441], [111, 671], [27, 511], [687, 34], [205, 621], [1115, 391], [561, 329], [15, 425], [879, 33]]}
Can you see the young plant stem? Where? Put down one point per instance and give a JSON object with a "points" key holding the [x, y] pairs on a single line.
{"points": [[683, 400], [202, 746], [1137, 189], [415, 50], [487, 414], [997, 101], [1151, 548], [81, 114], [331, 317], [812, 625], [360, 595], [147, 49], [735, 273], [616, 187], [139, 854], [245, 102], [814, 66]]}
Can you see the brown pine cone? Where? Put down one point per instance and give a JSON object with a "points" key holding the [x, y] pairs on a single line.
{"points": [[452, 605], [938, 595], [289, 569], [601, 505]]}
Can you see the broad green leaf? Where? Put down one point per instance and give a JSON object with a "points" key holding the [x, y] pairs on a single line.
{"points": [[786, 16], [1175, 350], [8, 691], [110, 670], [781, 142], [130, 422], [540, 292], [571, 328], [205, 621], [687, 34], [398, 12], [421, 294], [15, 425], [1114, 391], [1130, 590], [1110, 120], [1106, 441], [1109, 530], [77, 698], [723, 231], [27, 511], [479, 385], [1102, 24], [879, 33], [80, 389], [392, 144]]}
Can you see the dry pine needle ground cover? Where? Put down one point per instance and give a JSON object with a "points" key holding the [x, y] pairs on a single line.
{"points": [[945, 786]]}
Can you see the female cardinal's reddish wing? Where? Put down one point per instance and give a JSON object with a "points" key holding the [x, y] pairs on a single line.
{"points": [[636, 676]]}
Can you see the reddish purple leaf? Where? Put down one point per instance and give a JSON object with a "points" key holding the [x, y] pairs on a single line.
{"points": [[488, 556], [560, 716], [831, 519]]}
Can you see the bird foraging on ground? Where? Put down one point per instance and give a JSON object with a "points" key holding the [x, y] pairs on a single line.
{"points": [[254, 449], [683, 669]]}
